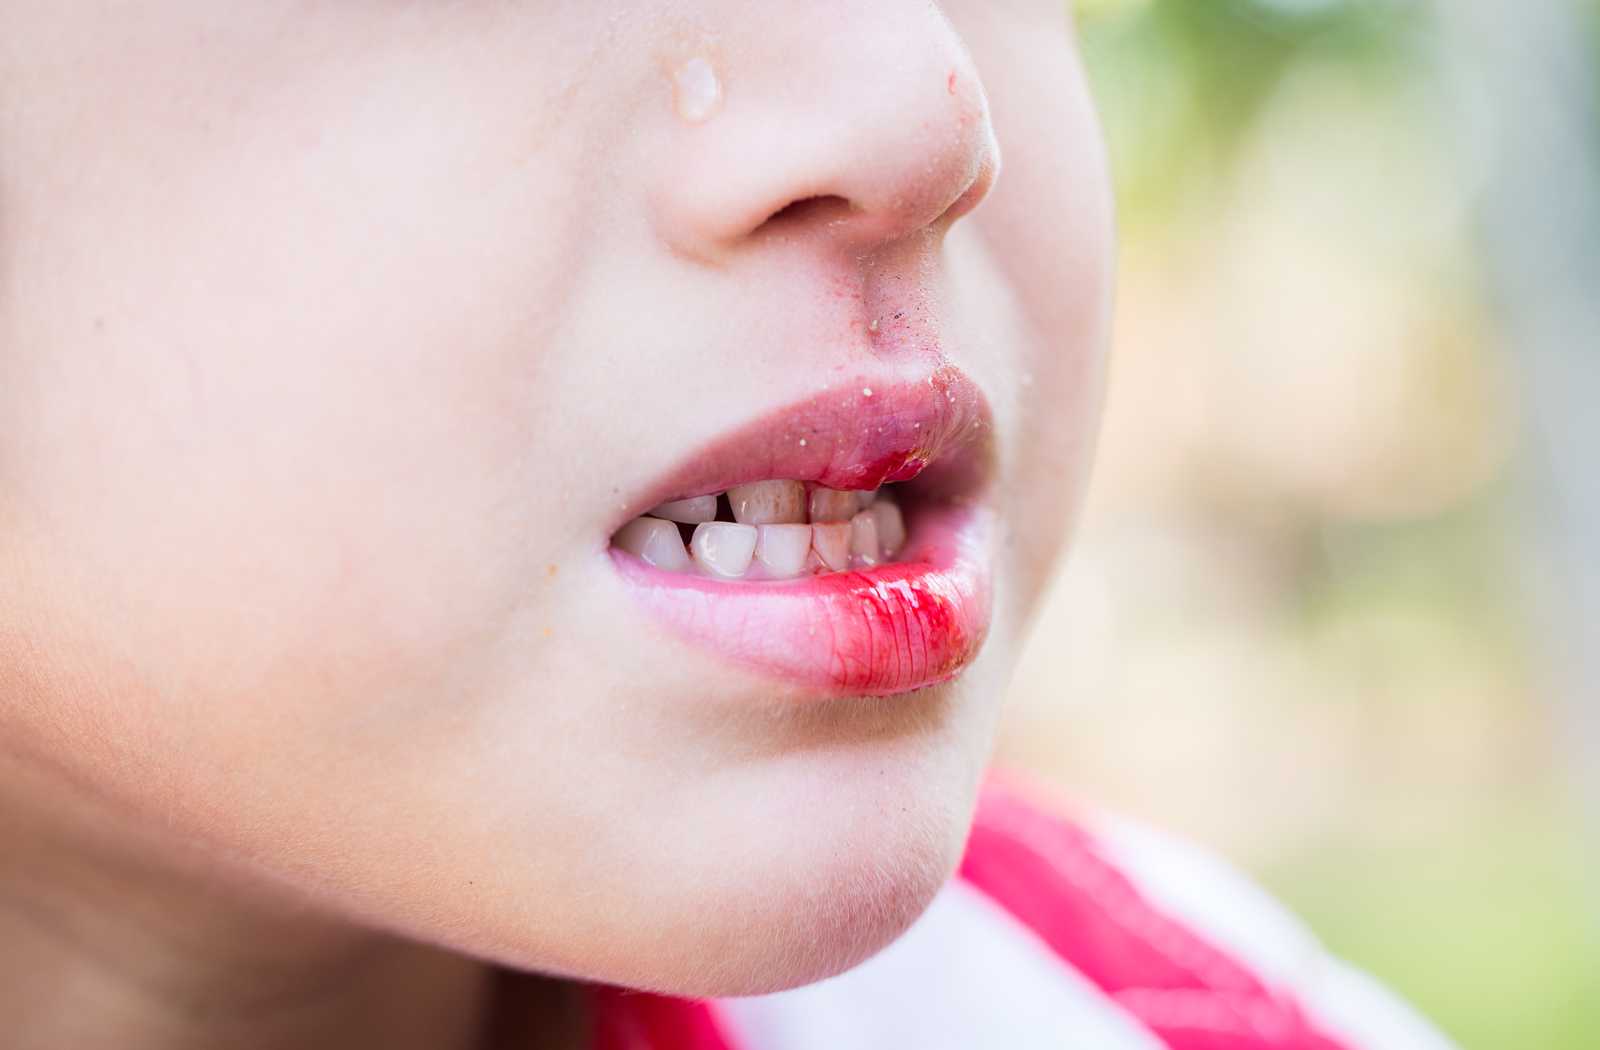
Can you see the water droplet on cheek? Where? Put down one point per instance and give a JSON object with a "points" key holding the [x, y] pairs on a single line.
{"points": [[696, 91]]}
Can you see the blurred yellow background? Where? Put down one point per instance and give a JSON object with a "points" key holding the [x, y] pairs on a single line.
{"points": [[1295, 624]]}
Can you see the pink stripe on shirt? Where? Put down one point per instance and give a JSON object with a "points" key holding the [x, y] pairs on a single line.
{"points": [[628, 1020], [1048, 873]]}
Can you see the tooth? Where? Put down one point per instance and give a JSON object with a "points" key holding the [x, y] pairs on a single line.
{"points": [[769, 503], [782, 549], [864, 549], [689, 511], [865, 499], [832, 505], [656, 542], [832, 544], [724, 549], [891, 526]]}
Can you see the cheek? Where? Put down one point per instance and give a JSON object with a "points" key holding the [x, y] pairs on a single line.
{"points": [[278, 495], [1064, 290], [277, 448], [265, 548], [281, 386]]}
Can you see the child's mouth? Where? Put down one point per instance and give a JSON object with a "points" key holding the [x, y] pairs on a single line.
{"points": [[840, 543]]}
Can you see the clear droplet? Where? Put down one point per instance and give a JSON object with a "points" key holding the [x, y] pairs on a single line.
{"points": [[696, 90]]}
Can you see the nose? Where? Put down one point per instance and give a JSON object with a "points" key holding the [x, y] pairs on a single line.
{"points": [[857, 136]]}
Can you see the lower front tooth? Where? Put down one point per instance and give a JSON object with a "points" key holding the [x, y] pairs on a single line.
{"points": [[655, 542], [724, 549], [865, 549], [832, 544], [891, 527], [782, 549]]}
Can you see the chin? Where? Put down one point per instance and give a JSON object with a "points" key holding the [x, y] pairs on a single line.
{"points": [[813, 873], [842, 915]]}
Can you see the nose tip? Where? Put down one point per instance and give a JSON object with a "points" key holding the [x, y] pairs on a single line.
{"points": [[855, 145]]}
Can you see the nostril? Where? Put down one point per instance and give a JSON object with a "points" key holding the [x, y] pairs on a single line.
{"points": [[808, 211]]}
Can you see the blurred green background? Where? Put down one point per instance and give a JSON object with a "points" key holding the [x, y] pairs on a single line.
{"points": [[1296, 623]]}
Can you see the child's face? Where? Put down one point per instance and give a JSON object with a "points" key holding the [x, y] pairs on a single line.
{"points": [[337, 340]]}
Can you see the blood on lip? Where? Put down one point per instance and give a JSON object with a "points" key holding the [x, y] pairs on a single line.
{"points": [[888, 469], [917, 634], [912, 466], [880, 632]]}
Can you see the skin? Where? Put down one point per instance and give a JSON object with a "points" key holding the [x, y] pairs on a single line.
{"points": [[329, 336]]}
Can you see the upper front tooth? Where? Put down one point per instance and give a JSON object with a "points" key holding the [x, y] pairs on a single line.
{"points": [[864, 547], [656, 542], [782, 549], [891, 526], [769, 503], [723, 548], [689, 511], [865, 498], [832, 505]]}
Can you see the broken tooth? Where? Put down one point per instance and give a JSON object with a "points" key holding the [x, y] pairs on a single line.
{"points": [[865, 499], [782, 549], [891, 526], [724, 549], [688, 511], [832, 505], [865, 550], [832, 543], [655, 542], [769, 503]]}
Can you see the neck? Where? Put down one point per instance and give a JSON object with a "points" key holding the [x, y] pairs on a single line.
{"points": [[107, 948]]}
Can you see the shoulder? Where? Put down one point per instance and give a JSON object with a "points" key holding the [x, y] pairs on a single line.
{"points": [[1069, 929]]}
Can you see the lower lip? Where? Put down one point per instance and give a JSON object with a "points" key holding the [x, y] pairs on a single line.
{"points": [[899, 627]]}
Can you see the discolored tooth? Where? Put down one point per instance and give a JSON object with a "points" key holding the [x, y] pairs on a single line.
{"points": [[654, 541], [769, 503], [864, 548], [724, 549], [782, 549], [832, 544], [866, 499], [832, 505], [688, 511], [891, 526]]}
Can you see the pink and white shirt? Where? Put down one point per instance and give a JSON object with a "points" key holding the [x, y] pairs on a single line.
{"points": [[1059, 934]]}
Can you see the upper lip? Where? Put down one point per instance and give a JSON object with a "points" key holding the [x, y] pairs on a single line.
{"points": [[859, 434]]}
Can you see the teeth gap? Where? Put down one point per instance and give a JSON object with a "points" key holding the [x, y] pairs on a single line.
{"points": [[771, 530]]}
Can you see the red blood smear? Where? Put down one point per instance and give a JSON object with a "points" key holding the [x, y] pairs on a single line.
{"points": [[876, 632]]}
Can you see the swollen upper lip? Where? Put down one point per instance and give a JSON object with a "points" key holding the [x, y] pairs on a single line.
{"points": [[855, 435]]}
